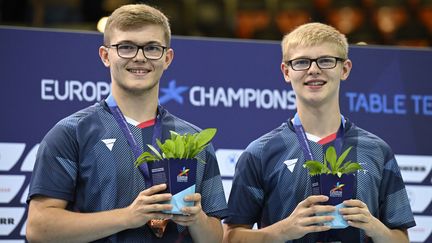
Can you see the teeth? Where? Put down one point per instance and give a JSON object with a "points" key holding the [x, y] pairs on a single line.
{"points": [[137, 71], [315, 83]]}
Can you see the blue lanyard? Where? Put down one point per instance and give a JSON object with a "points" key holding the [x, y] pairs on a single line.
{"points": [[121, 121], [304, 142]]}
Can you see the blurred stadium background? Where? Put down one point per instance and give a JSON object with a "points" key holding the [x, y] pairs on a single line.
{"points": [[378, 22]]}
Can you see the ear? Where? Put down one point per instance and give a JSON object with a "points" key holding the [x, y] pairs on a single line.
{"points": [[103, 54], [169, 56], [346, 69], [285, 72]]}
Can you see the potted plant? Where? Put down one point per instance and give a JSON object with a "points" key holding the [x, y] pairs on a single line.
{"points": [[176, 164], [334, 178]]}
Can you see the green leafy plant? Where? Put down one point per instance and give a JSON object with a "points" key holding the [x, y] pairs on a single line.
{"points": [[186, 146], [332, 164]]}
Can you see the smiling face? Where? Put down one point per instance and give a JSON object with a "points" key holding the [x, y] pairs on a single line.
{"points": [[316, 87], [138, 75]]}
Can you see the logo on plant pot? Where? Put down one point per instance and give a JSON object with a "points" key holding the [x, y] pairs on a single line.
{"points": [[337, 190], [183, 175]]}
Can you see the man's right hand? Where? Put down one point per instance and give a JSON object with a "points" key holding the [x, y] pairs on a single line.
{"points": [[148, 205], [304, 219]]}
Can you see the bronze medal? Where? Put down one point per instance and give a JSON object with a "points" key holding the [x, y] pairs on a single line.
{"points": [[158, 226]]}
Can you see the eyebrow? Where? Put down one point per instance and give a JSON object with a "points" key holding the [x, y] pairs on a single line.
{"points": [[140, 44], [308, 57]]}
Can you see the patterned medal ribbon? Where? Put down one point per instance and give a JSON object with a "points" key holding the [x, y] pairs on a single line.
{"points": [[156, 225]]}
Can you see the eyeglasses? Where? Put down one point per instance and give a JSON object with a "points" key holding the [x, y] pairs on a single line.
{"points": [[301, 64], [128, 50]]}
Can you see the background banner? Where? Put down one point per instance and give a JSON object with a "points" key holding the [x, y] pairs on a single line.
{"points": [[235, 86]]}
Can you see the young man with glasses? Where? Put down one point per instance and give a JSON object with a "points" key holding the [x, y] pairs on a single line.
{"points": [[272, 188], [85, 186]]}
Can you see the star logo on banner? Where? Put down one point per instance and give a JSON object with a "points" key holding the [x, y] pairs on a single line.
{"points": [[172, 93]]}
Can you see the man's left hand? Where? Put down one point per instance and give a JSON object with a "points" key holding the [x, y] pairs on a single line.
{"points": [[191, 215]]}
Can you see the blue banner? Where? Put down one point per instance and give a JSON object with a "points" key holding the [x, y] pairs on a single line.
{"points": [[235, 86]]}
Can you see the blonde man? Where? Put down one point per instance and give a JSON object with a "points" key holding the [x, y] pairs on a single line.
{"points": [[83, 191], [273, 189]]}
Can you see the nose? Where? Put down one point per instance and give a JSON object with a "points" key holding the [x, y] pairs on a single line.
{"points": [[140, 55], [314, 69]]}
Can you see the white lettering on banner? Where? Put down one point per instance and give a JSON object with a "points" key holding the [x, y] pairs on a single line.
{"points": [[52, 89], [10, 154], [397, 104], [422, 104], [420, 197], [10, 186], [244, 97], [10, 218], [422, 230], [227, 159], [414, 168]]}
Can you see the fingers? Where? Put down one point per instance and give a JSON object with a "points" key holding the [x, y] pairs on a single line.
{"points": [[154, 189], [183, 220], [150, 196], [160, 216], [317, 228], [317, 220], [355, 206], [356, 213], [190, 214], [149, 201], [188, 219], [355, 203], [196, 197], [312, 200], [311, 206]]}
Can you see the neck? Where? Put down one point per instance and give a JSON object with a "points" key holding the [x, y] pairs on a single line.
{"points": [[320, 122], [140, 108]]}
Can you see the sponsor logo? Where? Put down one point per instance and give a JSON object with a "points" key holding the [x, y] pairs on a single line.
{"points": [[9, 219], [10, 185], [53, 89], [337, 189], [109, 142], [229, 97], [10, 153], [291, 164], [420, 197], [414, 168], [183, 175], [227, 159], [243, 98], [422, 231], [172, 93]]}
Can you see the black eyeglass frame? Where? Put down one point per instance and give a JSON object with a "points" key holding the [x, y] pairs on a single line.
{"points": [[311, 60], [137, 50]]}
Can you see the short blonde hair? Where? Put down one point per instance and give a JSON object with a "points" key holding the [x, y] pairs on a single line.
{"points": [[312, 34], [134, 16]]}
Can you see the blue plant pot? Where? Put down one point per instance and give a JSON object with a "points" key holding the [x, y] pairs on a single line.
{"points": [[180, 177], [338, 189]]}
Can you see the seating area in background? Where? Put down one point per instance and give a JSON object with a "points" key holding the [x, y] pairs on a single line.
{"points": [[381, 22]]}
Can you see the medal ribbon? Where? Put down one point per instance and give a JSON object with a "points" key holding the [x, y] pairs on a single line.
{"points": [[136, 149], [304, 142]]}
